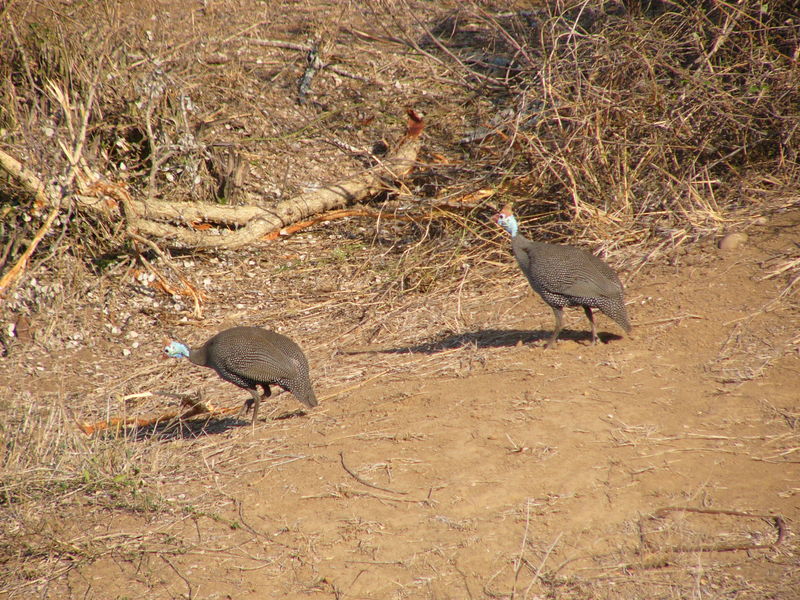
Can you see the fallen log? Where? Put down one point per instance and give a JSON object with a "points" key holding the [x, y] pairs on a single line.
{"points": [[173, 223]]}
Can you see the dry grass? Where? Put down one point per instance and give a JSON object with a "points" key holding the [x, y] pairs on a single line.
{"points": [[635, 134], [684, 115], [676, 116], [59, 486]]}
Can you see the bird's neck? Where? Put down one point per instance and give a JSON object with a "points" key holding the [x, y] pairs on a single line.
{"points": [[512, 227], [199, 356]]}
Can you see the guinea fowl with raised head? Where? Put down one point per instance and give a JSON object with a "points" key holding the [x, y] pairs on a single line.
{"points": [[250, 357], [567, 276]]}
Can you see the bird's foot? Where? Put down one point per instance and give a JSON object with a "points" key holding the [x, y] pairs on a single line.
{"points": [[246, 408], [552, 342]]}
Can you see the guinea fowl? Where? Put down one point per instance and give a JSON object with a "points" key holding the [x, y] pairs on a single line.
{"points": [[252, 356], [567, 276]]}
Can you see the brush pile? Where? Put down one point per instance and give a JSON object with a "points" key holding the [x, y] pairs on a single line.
{"points": [[635, 126]]}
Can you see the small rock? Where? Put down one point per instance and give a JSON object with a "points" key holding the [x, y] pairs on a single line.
{"points": [[732, 241], [761, 220], [22, 329], [217, 58]]}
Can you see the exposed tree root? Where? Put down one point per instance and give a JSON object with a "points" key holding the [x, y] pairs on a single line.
{"points": [[659, 557]]}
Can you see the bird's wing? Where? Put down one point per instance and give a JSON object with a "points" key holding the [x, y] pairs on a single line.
{"points": [[568, 273], [584, 287], [262, 364]]}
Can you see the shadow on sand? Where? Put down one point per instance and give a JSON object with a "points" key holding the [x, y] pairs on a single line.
{"points": [[194, 427], [490, 338]]}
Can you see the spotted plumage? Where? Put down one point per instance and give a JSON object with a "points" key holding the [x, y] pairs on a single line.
{"points": [[250, 357], [567, 276]]}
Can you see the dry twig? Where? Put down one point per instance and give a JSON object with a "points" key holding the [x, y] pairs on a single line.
{"points": [[363, 481]]}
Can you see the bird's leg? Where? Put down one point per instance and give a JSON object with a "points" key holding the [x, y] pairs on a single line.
{"points": [[256, 401], [251, 403], [245, 407], [590, 316], [558, 312]]}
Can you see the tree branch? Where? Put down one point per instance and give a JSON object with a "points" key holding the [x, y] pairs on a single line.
{"points": [[172, 222]]}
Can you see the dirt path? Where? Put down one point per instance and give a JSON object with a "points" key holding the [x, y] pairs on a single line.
{"points": [[514, 472], [451, 456]]}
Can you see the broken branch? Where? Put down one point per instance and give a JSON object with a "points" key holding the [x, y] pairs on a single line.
{"points": [[171, 221]]}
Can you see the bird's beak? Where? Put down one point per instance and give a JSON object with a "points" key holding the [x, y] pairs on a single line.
{"points": [[496, 218]]}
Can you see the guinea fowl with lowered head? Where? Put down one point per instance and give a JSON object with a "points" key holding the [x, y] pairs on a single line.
{"points": [[252, 356], [567, 276]]}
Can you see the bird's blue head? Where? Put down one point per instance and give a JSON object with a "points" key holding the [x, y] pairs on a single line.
{"points": [[176, 350], [506, 219]]}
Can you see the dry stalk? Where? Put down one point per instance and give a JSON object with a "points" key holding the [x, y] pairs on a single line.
{"points": [[13, 274]]}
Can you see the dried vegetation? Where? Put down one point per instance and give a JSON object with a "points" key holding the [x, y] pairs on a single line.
{"points": [[634, 128]]}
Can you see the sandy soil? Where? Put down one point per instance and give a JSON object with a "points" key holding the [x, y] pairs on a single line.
{"points": [[475, 464], [451, 456]]}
